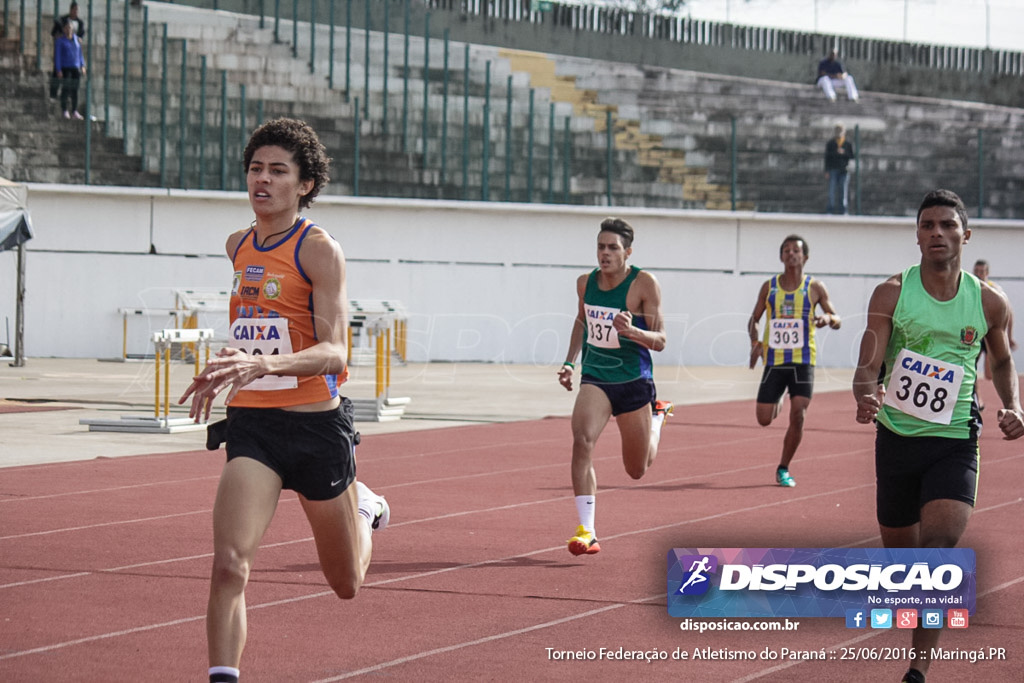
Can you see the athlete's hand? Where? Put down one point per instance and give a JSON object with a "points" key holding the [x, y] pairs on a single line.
{"points": [[869, 405], [1012, 423], [824, 319], [756, 351], [623, 323], [231, 368], [565, 377]]}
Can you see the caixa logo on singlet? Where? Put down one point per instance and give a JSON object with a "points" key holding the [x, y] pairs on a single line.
{"points": [[929, 370], [256, 332]]}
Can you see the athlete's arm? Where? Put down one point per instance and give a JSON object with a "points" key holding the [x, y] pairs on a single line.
{"points": [[654, 336], [866, 387], [1004, 375], [756, 345], [830, 318], [575, 337]]}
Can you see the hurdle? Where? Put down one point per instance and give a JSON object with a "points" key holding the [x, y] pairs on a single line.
{"points": [[160, 422], [381, 322]]}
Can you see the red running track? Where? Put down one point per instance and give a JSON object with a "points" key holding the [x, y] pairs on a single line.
{"points": [[104, 563]]}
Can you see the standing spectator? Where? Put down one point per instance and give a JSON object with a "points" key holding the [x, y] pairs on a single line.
{"points": [[78, 28], [77, 23], [69, 67], [831, 76], [838, 152]]}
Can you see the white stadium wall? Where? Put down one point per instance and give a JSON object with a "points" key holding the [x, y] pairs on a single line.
{"points": [[481, 282]]}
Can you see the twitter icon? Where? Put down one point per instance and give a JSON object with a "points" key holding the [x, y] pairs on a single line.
{"points": [[881, 618]]}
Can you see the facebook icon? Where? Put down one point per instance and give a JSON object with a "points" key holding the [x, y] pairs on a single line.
{"points": [[855, 618]]}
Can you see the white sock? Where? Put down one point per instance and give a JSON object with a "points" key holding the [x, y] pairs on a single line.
{"points": [[656, 422], [367, 506], [230, 671], [585, 509]]}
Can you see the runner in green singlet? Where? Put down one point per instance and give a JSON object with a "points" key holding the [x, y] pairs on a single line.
{"points": [[925, 327], [618, 324]]}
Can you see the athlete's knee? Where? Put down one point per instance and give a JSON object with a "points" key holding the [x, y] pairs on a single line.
{"points": [[636, 470], [346, 586], [765, 414], [940, 538], [230, 570], [797, 418]]}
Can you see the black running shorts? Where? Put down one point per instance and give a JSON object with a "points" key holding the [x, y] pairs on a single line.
{"points": [[798, 379], [313, 453], [913, 470], [626, 396]]}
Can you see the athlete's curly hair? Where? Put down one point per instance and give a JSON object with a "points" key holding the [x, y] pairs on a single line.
{"points": [[299, 138]]}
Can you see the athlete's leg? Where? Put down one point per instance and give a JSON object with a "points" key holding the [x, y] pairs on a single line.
{"points": [[770, 393], [639, 442], [589, 417], [767, 412], [795, 432], [942, 523], [343, 541], [246, 500]]}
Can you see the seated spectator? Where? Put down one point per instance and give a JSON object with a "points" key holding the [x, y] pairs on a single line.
{"points": [[832, 76]]}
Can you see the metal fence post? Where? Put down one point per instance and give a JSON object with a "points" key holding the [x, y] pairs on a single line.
{"points": [[856, 167], [355, 151], [565, 161], [106, 73], [609, 142], [529, 152], [163, 107], [145, 77], [182, 114], [384, 92], [444, 113], [485, 176], [330, 45], [508, 138], [223, 129], [732, 163], [405, 85], [465, 122], [981, 173], [426, 86], [312, 36], [124, 82], [202, 123], [551, 153]]}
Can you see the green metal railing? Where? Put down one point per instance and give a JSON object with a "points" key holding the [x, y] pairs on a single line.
{"points": [[500, 132]]}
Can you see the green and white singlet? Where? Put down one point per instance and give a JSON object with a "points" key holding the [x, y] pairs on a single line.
{"points": [[930, 360], [607, 357]]}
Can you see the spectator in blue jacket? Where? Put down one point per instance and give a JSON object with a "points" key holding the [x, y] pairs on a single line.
{"points": [[78, 24], [69, 67]]}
